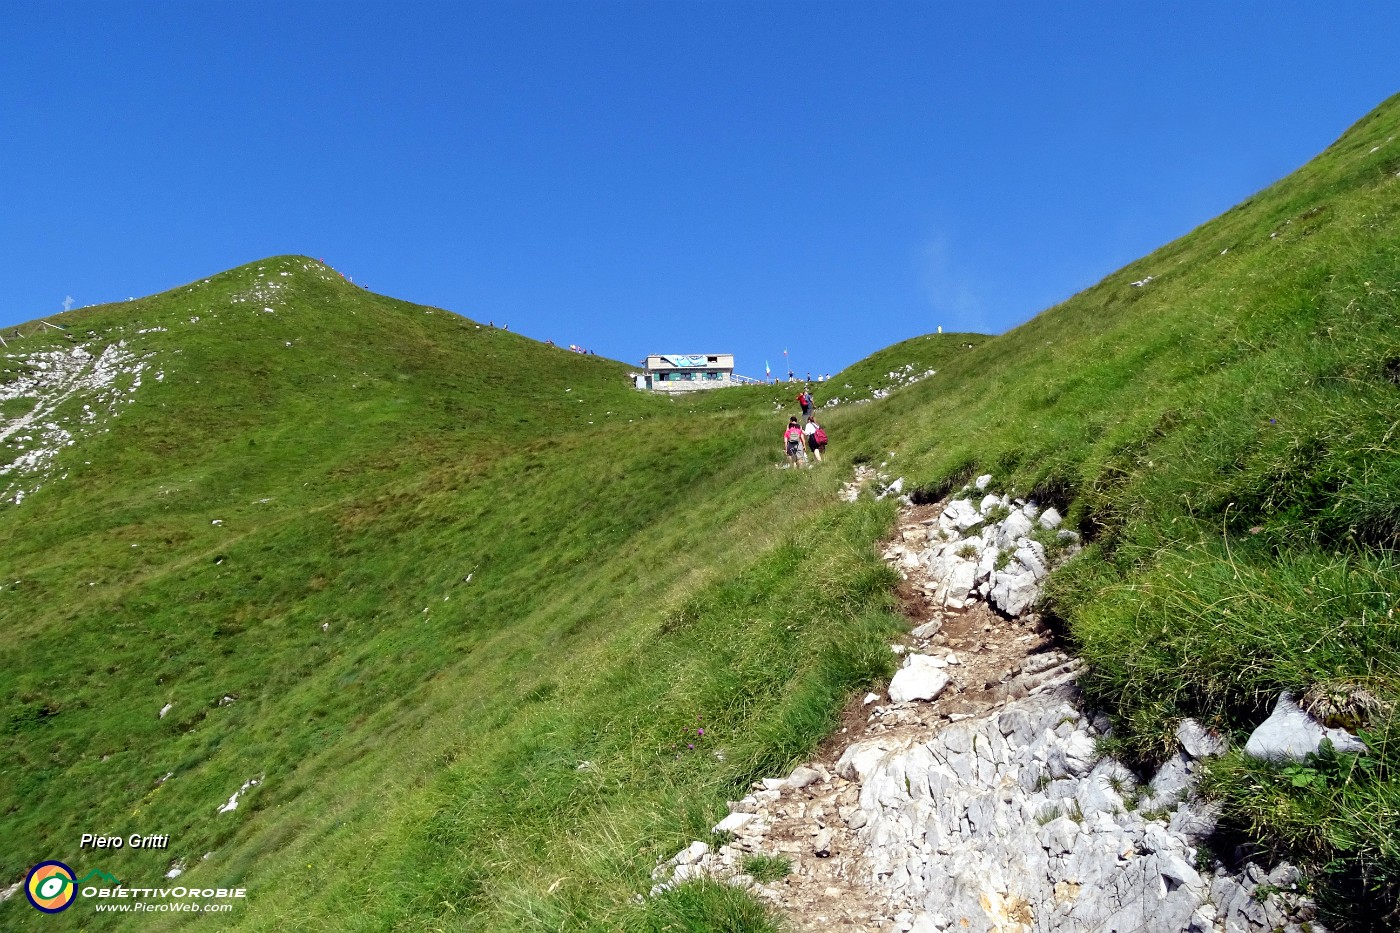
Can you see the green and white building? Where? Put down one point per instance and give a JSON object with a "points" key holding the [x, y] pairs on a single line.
{"points": [[673, 372]]}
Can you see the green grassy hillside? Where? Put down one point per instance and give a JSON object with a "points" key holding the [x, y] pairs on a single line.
{"points": [[406, 572], [462, 603], [902, 364]]}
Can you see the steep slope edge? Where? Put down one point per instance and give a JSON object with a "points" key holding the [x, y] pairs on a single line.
{"points": [[1219, 420]]}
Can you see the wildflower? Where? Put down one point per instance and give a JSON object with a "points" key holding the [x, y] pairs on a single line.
{"points": [[699, 731], [689, 744]]}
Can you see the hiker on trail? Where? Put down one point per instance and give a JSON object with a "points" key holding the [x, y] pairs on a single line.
{"points": [[792, 441], [816, 438], [804, 398]]}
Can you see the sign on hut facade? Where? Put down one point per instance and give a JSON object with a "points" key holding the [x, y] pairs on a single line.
{"points": [[674, 372]]}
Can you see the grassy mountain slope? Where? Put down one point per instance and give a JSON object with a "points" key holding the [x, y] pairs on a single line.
{"points": [[1225, 434], [275, 538], [899, 365]]}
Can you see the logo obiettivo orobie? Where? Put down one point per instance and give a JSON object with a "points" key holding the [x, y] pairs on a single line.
{"points": [[51, 886]]}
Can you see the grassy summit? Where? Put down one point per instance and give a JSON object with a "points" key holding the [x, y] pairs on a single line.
{"points": [[462, 603]]}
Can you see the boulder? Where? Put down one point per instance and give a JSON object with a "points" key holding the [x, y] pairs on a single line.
{"points": [[1198, 741], [802, 776], [1289, 734], [732, 822], [690, 854], [1032, 556], [893, 489], [1016, 525], [921, 678], [928, 629], [1013, 593], [859, 759], [1172, 783], [987, 563], [1050, 518], [983, 481], [960, 515], [1195, 820], [957, 586]]}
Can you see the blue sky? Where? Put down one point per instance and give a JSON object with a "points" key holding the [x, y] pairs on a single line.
{"points": [[659, 177]]}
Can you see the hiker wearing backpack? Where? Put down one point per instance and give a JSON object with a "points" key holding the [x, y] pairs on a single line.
{"points": [[804, 398], [792, 441], [816, 438]]}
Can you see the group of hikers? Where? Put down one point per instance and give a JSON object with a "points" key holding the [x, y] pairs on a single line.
{"points": [[804, 443]]}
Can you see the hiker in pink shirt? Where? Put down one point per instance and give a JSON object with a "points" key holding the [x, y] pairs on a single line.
{"points": [[792, 440]]}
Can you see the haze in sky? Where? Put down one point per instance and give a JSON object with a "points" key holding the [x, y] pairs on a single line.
{"points": [[749, 177]]}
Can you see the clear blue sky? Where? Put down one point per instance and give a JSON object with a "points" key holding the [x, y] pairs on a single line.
{"points": [[659, 177]]}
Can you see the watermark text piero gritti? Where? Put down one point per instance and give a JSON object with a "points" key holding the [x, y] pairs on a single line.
{"points": [[134, 841]]}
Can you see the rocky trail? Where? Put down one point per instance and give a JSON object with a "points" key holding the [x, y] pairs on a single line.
{"points": [[971, 796]]}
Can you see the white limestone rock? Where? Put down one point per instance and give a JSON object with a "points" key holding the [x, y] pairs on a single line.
{"points": [[1014, 592], [958, 584], [1032, 556], [1198, 741], [1172, 783], [921, 678], [690, 854], [951, 833], [802, 776], [733, 822], [960, 515], [1014, 526], [859, 759], [928, 629], [1289, 734]]}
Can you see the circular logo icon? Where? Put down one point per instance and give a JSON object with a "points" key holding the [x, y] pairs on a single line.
{"points": [[50, 887]]}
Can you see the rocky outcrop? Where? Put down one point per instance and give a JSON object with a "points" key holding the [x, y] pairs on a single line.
{"points": [[994, 549], [976, 799], [1007, 822], [65, 391]]}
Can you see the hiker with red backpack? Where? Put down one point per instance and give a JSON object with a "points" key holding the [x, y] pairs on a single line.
{"points": [[816, 438], [804, 398]]}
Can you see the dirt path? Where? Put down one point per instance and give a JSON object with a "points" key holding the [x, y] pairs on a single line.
{"points": [[979, 803], [986, 653]]}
